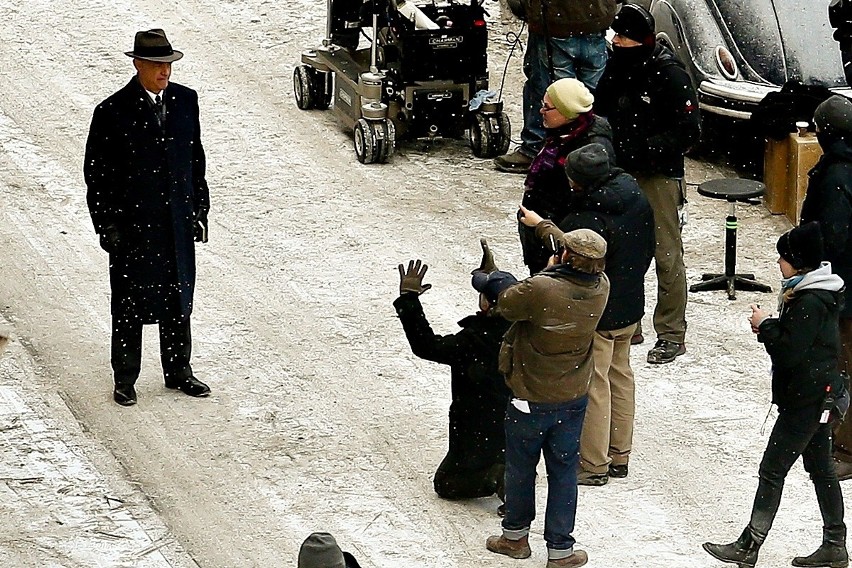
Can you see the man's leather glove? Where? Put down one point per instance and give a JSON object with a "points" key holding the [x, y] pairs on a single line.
{"points": [[200, 228], [487, 264], [412, 279], [110, 238]]}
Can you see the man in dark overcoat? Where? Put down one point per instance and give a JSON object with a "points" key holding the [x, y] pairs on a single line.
{"points": [[148, 198]]}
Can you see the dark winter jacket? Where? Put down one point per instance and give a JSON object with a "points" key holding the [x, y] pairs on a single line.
{"points": [[829, 201], [618, 211], [149, 184], [547, 353], [653, 110], [479, 391], [565, 18], [804, 343], [546, 187]]}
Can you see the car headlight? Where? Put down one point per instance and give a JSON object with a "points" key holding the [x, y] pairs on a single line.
{"points": [[726, 64]]}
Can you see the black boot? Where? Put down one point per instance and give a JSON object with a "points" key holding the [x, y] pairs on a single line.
{"points": [[828, 555], [743, 552]]}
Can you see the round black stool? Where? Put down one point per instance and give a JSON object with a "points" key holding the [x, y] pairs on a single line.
{"points": [[733, 190]]}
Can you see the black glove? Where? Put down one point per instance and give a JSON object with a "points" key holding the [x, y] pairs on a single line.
{"points": [[200, 229], [110, 238], [412, 280], [487, 264]]}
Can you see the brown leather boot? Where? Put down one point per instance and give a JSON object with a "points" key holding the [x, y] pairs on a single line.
{"points": [[512, 548], [579, 558]]}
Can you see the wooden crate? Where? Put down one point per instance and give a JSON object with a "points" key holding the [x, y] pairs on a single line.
{"points": [[786, 164]]}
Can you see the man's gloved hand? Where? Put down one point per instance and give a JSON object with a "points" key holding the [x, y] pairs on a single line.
{"points": [[110, 238], [412, 279], [200, 229], [487, 264]]}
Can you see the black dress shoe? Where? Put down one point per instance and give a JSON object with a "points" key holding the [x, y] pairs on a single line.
{"points": [[190, 386], [125, 395]]}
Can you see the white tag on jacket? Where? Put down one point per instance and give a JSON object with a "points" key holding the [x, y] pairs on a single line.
{"points": [[521, 405]]}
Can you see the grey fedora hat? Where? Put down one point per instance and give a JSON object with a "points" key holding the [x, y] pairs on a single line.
{"points": [[152, 45], [320, 550]]}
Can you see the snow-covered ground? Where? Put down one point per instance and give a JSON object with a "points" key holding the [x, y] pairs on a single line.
{"points": [[320, 418]]}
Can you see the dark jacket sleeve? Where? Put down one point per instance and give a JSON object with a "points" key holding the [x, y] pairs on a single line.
{"points": [[99, 171], [424, 342], [684, 132], [788, 339], [199, 165]]}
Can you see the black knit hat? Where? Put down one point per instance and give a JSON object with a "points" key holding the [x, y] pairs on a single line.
{"points": [[588, 164], [802, 246], [636, 23], [834, 115]]}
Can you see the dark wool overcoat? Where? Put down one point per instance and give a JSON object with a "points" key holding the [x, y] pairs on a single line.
{"points": [[829, 201], [480, 394], [148, 182]]}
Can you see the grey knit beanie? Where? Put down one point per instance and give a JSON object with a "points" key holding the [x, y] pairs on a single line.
{"points": [[587, 165]]}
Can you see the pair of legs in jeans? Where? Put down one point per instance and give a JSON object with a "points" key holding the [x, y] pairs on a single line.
{"points": [[553, 428], [582, 57], [798, 433]]}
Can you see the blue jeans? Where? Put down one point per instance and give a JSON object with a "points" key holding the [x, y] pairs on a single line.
{"points": [[555, 429], [581, 57]]}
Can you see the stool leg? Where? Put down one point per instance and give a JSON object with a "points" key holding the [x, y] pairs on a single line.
{"points": [[730, 246]]}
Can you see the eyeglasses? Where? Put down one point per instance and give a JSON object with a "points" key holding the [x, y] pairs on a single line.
{"points": [[546, 107]]}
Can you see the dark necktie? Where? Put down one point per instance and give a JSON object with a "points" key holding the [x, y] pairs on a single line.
{"points": [[161, 110]]}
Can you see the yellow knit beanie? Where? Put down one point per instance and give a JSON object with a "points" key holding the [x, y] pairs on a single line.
{"points": [[570, 97]]}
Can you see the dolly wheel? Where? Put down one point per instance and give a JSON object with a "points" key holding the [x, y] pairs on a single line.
{"points": [[480, 137], [502, 134], [385, 132], [303, 87], [365, 142], [323, 87]]}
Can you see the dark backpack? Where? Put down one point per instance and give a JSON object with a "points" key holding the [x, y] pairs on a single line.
{"points": [[776, 115]]}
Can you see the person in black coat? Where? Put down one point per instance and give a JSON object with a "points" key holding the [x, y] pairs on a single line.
{"points": [[475, 463], [608, 201], [829, 201], [802, 343], [647, 96], [148, 199]]}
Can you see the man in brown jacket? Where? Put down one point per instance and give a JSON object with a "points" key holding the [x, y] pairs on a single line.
{"points": [[566, 39], [546, 357]]}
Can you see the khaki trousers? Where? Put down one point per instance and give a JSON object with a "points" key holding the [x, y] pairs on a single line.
{"points": [[665, 195], [607, 435], [843, 431]]}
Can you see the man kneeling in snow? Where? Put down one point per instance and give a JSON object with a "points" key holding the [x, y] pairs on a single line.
{"points": [[474, 465]]}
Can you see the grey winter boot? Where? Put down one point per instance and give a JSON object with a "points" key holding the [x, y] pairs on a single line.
{"points": [[828, 555], [743, 552]]}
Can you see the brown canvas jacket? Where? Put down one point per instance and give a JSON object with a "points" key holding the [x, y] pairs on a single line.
{"points": [[566, 18], [546, 355]]}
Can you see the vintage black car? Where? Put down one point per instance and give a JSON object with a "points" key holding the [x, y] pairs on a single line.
{"points": [[738, 51]]}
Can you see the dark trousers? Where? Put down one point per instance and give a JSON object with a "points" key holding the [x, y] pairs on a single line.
{"points": [[843, 430], [175, 349], [455, 482], [798, 433]]}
